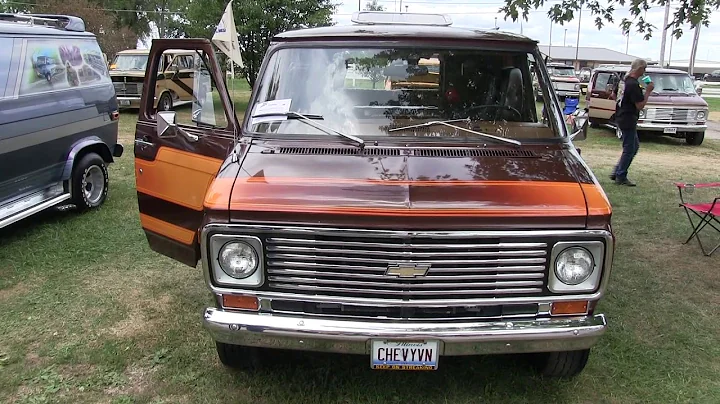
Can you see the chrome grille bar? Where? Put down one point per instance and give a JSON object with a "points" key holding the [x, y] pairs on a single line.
{"points": [[355, 266]]}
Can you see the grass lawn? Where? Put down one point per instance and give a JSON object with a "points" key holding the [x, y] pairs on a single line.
{"points": [[91, 314]]}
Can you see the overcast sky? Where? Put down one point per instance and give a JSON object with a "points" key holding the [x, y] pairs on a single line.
{"points": [[482, 14]]}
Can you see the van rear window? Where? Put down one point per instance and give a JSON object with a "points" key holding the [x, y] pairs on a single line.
{"points": [[59, 64]]}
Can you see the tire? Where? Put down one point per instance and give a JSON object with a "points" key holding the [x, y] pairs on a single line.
{"points": [[165, 103], [564, 364], [618, 133], [238, 356], [694, 138], [594, 124], [89, 182]]}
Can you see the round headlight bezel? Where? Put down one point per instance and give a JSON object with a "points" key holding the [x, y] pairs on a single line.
{"points": [[700, 115], [255, 256], [581, 280]]}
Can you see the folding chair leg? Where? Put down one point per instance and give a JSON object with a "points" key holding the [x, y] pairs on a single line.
{"points": [[705, 220]]}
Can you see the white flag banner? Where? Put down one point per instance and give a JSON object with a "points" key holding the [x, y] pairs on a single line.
{"points": [[225, 37]]}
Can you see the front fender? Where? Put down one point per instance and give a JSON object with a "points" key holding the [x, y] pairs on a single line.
{"points": [[77, 148]]}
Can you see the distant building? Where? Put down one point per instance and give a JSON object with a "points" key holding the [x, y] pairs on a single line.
{"points": [[702, 67], [586, 56]]}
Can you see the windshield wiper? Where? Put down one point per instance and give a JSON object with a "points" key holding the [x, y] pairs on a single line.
{"points": [[446, 123], [308, 119]]}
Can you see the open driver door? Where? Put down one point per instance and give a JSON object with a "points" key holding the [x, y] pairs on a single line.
{"points": [[178, 153]]}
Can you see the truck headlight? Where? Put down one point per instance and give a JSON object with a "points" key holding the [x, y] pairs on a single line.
{"points": [[235, 260], [238, 259], [700, 115], [577, 87], [576, 266]]}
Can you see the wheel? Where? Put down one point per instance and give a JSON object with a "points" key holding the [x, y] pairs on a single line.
{"points": [[89, 182], [165, 103], [694, 138], [618, 133], [564, 364], [594, 124], [238, 356]]}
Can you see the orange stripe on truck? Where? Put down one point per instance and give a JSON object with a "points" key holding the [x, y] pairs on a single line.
{"points": [[166, 229], [177, 176]]}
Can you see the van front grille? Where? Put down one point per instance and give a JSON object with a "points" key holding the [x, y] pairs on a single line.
{"points": [[407, 269], [124, 89]]}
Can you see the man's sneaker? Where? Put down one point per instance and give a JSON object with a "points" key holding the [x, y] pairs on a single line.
{"points": [[612, 177], [626, 182]]}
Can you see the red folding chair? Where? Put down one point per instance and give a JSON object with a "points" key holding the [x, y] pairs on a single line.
{"points": [[708, 213]]}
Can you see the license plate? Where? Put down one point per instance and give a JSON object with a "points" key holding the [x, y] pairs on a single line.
{"points": [[404, 355], [124, 102], [670, 130]]}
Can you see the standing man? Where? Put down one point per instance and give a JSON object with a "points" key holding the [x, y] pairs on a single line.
{"points": [[627, 113]]}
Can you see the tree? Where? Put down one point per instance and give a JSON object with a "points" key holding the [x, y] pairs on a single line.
{"points": [[374, 6], [693, 12], [257, 22]]}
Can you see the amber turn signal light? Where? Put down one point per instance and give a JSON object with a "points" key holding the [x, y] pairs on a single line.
{"points": [[571, 307], [240, 302]]}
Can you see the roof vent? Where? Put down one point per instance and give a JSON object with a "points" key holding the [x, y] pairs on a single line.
{"points": [[66, 22], [384, 18]]}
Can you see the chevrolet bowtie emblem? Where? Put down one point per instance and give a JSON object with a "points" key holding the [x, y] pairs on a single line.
{"points": [[408, 270]]}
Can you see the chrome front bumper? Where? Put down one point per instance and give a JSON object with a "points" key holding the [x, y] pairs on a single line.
{"points": [[660, 127], [353, 337], [128, 101], [567, 93]]}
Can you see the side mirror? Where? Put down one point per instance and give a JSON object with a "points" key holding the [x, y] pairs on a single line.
{"points": [[580, 125], [167, 128]]}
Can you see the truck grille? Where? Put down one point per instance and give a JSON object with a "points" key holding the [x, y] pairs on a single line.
{"points": [[675, 115], [128, 88], [357, 266], [564, 86]]}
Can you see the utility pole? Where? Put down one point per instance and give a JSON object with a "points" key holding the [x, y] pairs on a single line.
{"points": [[359, 4], [693, 51], [672, 37], [550, 46], [664, 34], [627, 43], [577, 43], [565, 37], [401, 6]]}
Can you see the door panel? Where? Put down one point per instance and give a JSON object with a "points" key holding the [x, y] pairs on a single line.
{"points": [[602, 102], [174, 166]]}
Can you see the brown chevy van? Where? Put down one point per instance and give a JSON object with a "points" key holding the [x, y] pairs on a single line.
{"points": [[405, 224], [673, 109], [174, 84]]}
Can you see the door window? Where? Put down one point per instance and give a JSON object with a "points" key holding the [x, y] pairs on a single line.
{"points": [[601, 82], [206, 109], [6, 47]]}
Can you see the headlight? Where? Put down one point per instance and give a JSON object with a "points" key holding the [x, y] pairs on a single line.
{"points": [[238, 259], [234, 260], [574, 265], [577, 87], [642, 114], [700, 115]]}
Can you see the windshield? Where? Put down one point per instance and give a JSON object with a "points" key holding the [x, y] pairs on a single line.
{"points": [[672, 83], [129, 62], [369, 92], [561, 71]]}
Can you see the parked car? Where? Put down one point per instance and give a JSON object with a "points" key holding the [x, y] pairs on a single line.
{"points": [[174, 86], [405, 224], [712, 77], [564, 81], [58, 116], [673, 109]]}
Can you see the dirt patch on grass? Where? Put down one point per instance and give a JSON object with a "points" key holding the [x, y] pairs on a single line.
{"points": [[15, 291], [714, 116], [141, 306], [139, 380], [663, 161]]}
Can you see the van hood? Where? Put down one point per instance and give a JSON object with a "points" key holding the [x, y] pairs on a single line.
{"points": [[414, 189], [129, 73], [678, 100], [565, 79]]}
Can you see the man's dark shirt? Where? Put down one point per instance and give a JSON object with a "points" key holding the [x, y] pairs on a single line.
{"points": [[627, 114]]}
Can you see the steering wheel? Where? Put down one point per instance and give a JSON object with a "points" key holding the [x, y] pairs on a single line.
{"points": [[507, 107]]}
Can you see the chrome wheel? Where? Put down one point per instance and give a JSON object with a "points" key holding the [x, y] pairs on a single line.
{"points": [[93, 184], [618, 133], [165, 103]]}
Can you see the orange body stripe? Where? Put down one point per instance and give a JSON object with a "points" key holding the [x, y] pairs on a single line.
{"points": [[166, 229], [597, 201], [177, 176]]}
